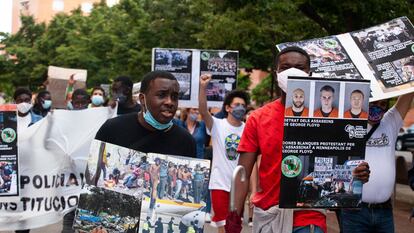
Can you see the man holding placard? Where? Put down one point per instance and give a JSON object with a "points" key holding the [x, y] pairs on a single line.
{"points": [[264, 135]]}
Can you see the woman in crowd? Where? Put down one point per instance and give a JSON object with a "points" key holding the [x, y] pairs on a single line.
{"points": [[196, 128], [98, 98]]}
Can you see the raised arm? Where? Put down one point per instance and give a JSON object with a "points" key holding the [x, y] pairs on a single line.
{"points": [[202, 101], [404, 103]]}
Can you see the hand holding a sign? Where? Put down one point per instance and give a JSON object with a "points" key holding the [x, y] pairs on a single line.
{"points": [[362, 172]]}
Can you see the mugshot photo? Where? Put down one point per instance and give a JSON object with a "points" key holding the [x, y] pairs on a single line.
{"points": [[326, 99], [297, 98], [356, 100]]}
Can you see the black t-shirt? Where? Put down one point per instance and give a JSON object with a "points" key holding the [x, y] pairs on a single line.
{"points": [[124, 110], [126, 131]]}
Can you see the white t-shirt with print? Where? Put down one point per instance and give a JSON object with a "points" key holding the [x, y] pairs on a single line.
{"points": [[380, 155], [225, 140]]}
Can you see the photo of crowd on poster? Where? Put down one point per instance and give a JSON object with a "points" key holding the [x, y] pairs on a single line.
{"points": [[328, 57], [179, 63], [382, 36], [8, 177], [325, 183], [223, 66], [175, 195], [101, 210], [405, 68]]}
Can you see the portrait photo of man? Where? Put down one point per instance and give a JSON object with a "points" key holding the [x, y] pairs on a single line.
{"points": [[298, 108], [357, 99], [327, 100]]}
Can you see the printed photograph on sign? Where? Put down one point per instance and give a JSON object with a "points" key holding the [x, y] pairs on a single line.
{"points": [[388, 50], [356, 104], [179, 63], [102, 210], [174, 200], [382, 36], [222, 65], [325, 183], [117, 168], [8, 151], [326, 99], [297, 99], [328, 57]]}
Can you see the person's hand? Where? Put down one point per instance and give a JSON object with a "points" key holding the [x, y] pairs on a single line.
{"points": [[233, 223], [72, 80], [112, 103], [204, 80], [362, 172]]}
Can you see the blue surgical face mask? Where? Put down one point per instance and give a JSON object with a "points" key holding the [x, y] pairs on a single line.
{"points": [[193, 116], [69, 105], [151, 120], [238, 112], [97, 100], [46, 104]]}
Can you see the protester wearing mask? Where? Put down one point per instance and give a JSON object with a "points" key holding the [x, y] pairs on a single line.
{"points": [[80, 100], [196, 128], [97, 97], [225, 135], [25, 116], [263, 135], [376, 213], [43, 103], [122, 95], [152, 129]]}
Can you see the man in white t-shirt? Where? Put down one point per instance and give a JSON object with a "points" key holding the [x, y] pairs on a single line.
{"points": [[225, 135], [376, 212]]}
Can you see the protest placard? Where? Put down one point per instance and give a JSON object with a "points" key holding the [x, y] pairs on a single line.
{"points": [[173, 189], [53, 154], [9, 172], [313, 162], [383, 54], [188, 64], [62, 82]]}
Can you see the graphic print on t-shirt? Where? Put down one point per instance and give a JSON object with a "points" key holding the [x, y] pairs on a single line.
{"points": [[231, 143], [383, 140]]}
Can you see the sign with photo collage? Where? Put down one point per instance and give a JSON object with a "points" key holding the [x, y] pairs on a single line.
{"points": [[188, 64], [383, 54], [142, 192], [316, 166]]}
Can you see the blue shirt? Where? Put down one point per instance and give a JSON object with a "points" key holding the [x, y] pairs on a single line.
{"points": [[199, 134]]}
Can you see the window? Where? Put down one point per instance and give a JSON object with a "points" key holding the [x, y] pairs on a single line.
{"points": [[58, 5], [86, 7]]}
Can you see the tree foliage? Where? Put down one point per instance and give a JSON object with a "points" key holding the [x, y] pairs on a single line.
{"points": [[118, 40]]}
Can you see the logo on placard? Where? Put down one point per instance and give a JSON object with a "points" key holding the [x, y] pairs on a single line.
{"points": [[8, 135], [412, 48], [291, 166], [205, 56], [330, 43], [355, 131]]}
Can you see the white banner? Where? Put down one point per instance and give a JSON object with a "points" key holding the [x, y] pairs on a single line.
{"points": [[52, 159]]}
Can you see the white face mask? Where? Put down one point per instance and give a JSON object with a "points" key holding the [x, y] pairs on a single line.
{"points": [[24, 107], [283, 76]]}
